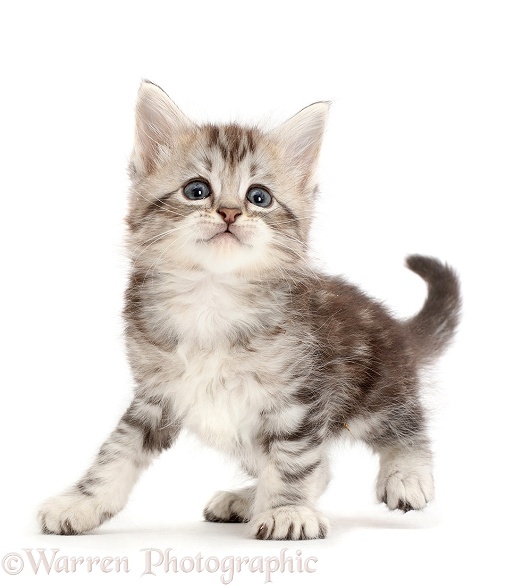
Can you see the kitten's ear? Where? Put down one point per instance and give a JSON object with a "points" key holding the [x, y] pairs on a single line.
{"points": [[158, 122], [301, 135]]}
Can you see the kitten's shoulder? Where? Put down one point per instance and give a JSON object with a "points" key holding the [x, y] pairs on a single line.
{"points": [[322, 290], [326, 300]]}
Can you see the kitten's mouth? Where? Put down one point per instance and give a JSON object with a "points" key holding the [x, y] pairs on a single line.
{"points": [[224, 235]]}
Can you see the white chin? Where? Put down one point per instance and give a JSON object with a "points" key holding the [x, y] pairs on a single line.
{"points": [[225, 253]]}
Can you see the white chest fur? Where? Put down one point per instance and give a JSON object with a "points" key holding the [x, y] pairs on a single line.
{"points": [[219, 392], [220, 398], [204, 310]]}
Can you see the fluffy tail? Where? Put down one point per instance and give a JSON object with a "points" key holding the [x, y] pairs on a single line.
{"points": [[433, 328]]}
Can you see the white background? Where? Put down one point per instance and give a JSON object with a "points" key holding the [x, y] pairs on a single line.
{"points": [[423, 154]]}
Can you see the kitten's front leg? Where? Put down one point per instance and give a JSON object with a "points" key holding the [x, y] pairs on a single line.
{"points": [[146, 428], [293, 474]]}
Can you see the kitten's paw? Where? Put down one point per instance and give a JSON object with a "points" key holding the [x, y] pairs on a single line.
{"points": [[405, 491], [227, 506], [289, 523], [71, 513]]}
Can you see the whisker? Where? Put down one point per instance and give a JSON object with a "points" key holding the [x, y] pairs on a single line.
{"points": [[155, 264], [153, 240], [306, 262], [164, 206]]}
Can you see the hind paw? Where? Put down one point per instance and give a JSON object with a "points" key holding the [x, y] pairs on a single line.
{"points": [[406, 491]]}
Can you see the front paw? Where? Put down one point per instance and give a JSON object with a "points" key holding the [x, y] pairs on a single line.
{"points": [[227, 506], [72, 513], [289, 523]]}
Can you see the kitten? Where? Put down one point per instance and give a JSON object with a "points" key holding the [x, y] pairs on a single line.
{"points": [[232, 334]]}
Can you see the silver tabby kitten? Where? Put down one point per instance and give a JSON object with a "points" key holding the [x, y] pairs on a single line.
{"points": [[232, 335]]}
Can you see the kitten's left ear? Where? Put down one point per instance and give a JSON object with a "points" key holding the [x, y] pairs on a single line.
{"points": [[158, 124], [301, 135]]}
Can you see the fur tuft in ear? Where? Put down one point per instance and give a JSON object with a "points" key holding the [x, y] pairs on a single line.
{"points": [[158, 122], [301, 135]]}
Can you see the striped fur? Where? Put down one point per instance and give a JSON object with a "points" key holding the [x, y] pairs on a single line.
{"points": [[232, 334]]}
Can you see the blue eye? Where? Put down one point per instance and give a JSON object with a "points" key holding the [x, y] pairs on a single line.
{"points": [[197, 190], [259, 197]]}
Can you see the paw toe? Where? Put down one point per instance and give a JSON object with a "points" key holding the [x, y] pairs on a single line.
{"points": [[289, 523], [70, 514], [405, 491], [226, 507]]}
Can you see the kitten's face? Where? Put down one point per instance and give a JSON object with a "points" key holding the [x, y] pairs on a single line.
{"points": [[220, 198]]}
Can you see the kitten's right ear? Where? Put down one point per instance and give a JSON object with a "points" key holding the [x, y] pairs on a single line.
{"points": [[158, 122]]}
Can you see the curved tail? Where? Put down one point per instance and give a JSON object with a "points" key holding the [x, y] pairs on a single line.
{"points": [[433, 327]]}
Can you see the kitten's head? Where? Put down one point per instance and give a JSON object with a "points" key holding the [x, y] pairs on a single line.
{"points": [[220, 198]]}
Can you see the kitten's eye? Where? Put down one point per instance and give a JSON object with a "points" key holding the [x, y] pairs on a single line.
{"points": [[259, 197], [197, 190]]}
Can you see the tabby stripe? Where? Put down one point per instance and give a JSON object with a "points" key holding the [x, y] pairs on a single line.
{"points": [[300, 474]]}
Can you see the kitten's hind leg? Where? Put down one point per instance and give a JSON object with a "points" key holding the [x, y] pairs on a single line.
{"points": [[143, 432], [228, 506], [405, 478], [397, 433]]}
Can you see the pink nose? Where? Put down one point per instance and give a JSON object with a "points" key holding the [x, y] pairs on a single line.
{"points": [[229, 214]]}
